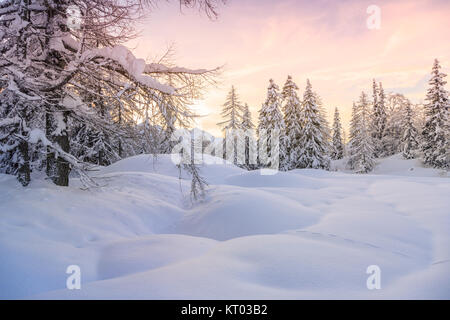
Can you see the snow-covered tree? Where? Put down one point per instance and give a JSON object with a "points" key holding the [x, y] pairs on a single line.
{"points": [[379, 119], [232, 125], [392, 141], [354, 134], [60, 62], [312, 139], [344, 139], [338, 143], [410, 141], [436, 132], [250, 142], [15, 116], [271, 130], [361, 146], [324, 124], [292, 109]]}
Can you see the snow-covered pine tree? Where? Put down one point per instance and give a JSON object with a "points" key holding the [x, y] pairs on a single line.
{"points": [[250, 142], [379, 119], [232, 127], [312, 139], [354, 134], [344, 139], [324, 124], [410, 136], [292, 111], [15, 119], [436, 132], [338, 143], [361, 145], [48, 66], [271, 131]]}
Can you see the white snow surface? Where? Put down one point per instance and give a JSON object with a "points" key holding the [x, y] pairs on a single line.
{"points": [[305, 234]]}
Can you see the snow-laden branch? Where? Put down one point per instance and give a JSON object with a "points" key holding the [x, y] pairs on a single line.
{"points": [[9, 121], [133, 66], [160, 68]]}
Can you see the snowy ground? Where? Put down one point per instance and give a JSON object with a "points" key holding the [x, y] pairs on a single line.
{"points": [[304, 234]]}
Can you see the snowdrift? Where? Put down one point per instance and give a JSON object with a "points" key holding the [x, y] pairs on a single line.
{"points": [[298, 235]]}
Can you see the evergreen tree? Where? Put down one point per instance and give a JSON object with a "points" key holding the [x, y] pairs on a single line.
{"points": [[15, 118], [410, 143], [354, 134], [312, 139], [324, 124], [250, 143], [232, 125], [338, 143], [344, 139], [379, 119], [436, 135], [292, 112], [361, 145], [271, 130]]}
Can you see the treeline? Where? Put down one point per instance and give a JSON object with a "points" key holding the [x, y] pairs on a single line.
{"points": [[295, 134]]}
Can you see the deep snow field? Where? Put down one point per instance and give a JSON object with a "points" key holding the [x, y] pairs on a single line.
{"points": [[306, 234]]}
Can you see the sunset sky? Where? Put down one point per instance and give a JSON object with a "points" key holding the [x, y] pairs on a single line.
{"points": [[323, 40]]}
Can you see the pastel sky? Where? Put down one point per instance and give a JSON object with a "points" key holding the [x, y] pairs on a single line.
{"points": [[323, 40]]}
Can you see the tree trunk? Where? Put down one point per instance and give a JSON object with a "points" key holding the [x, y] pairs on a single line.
{"points": [[23, 174], [50, 170], [62, 166], [58, 169]]}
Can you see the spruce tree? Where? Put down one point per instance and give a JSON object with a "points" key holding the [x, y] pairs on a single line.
{"points": [[354, 134], [409, 141], [338, 143], [324, 124], [436, 146], [292, 109], [250, 143], [271, 130], [379, 119], [232, 125], [312, 139], [361, 144]]}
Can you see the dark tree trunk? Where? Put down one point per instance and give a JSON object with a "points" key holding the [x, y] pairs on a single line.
{"points": [[51, 161], [58, 169], [62, 166], [101, 158], [23, 174]]}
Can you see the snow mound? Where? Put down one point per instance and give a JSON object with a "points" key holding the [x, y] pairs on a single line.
{"points": [[396, 165], [215, 169], [298, 235], [148, 253], [235, 212], [255, 179]]}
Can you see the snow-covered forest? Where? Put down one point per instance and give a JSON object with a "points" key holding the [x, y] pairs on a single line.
{"points": [[102, 167], [385, 125]]}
